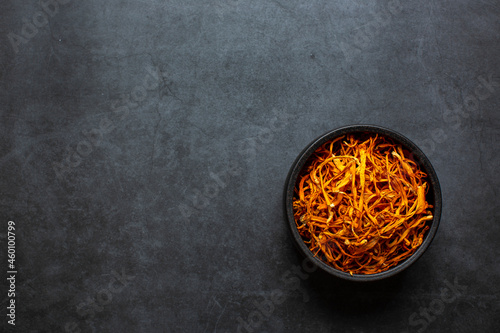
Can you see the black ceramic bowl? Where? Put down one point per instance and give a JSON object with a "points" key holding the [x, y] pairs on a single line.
{"points": [[433, 197]]}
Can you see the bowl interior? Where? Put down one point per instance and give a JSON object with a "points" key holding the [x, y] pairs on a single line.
{"points": [[433, 197]]}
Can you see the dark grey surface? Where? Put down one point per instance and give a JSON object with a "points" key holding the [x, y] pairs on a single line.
{"points": [[244, 86]]}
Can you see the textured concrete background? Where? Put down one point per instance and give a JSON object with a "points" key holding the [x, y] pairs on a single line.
{"points": [[145, 145]]}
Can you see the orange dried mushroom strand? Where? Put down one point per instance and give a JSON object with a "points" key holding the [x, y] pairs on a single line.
{"points": [[360, 204]]}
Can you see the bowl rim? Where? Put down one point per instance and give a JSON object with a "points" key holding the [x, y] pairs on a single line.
{"points": [[419, 157]]}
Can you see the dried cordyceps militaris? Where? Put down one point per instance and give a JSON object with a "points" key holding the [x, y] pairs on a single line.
{"points": [[360, 204]]}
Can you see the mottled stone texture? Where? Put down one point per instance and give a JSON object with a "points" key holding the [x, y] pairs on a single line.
{"points": [[145, 145]]}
